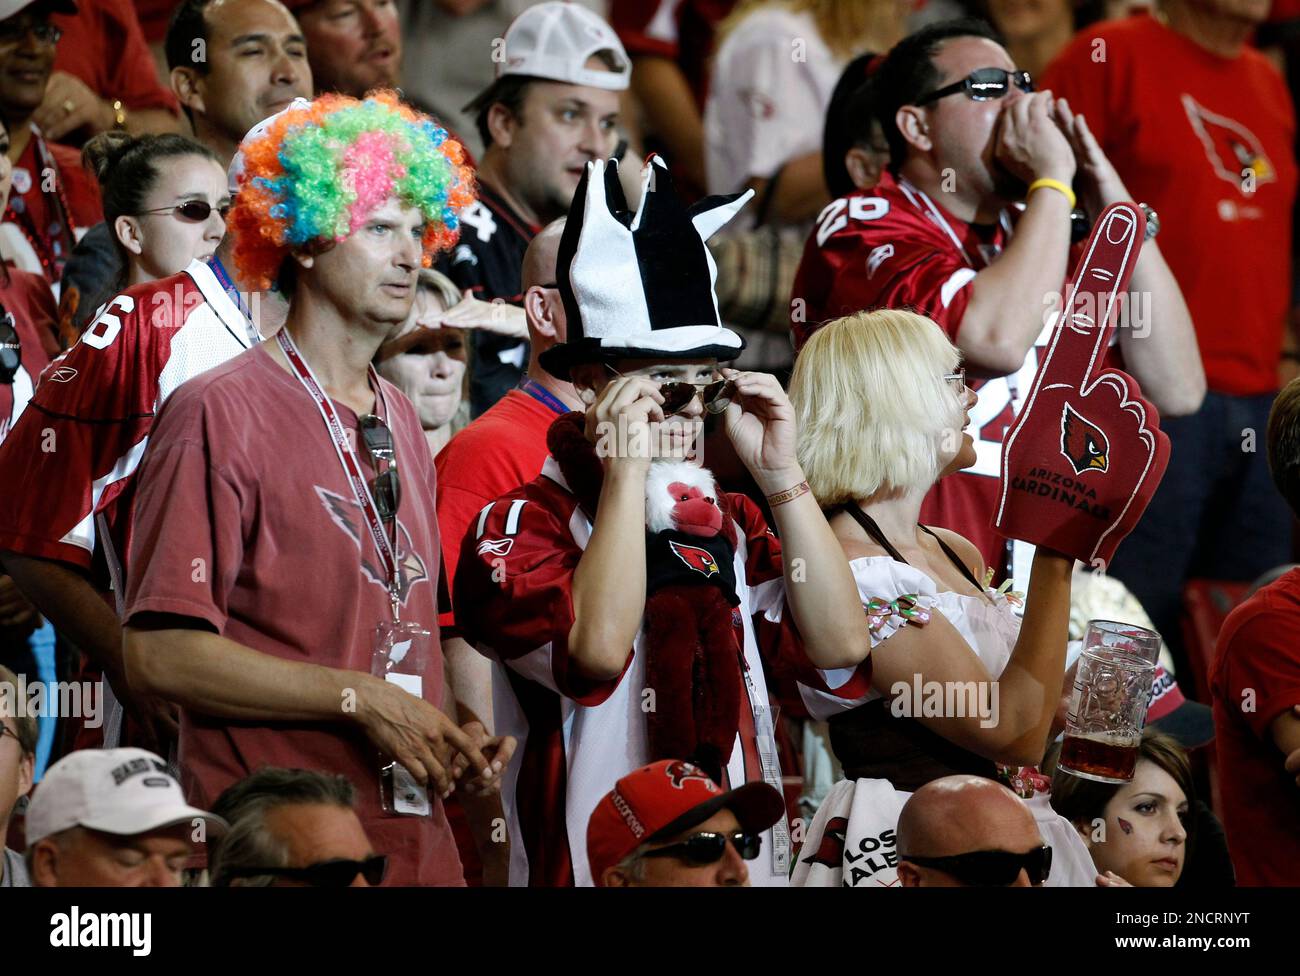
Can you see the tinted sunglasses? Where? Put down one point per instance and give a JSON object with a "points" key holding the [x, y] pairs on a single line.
{"points": [[336, 873], [983, 85], [991, 868], [957, 381], [15, 29], [385, 488], [194, 211], [11, 348], [708, 848], [716, 395]]}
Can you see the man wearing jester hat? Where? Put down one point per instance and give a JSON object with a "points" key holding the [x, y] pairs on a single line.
{"points": [[617, 593], [286, 531]]}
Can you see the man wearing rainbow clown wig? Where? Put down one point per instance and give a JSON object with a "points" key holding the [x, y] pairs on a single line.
{"points": [[284, 578], [616, 594]]}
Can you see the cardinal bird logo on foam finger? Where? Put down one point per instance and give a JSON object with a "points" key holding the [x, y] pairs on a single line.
{"points": [[1086, 453]]}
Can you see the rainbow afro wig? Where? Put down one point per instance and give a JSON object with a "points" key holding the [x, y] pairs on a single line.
{"points": [[317, 173]]}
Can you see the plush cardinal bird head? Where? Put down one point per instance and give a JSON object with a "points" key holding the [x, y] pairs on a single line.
{"points": [[1083, 443], [684, 497]]}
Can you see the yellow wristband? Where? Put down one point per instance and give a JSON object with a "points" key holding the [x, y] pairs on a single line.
{"points": [[1056, 185]]}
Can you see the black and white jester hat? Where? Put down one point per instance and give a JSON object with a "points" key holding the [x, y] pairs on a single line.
{"points": [[640, 285]]}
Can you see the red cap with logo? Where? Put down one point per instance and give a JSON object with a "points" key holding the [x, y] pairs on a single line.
{"points": [[664, 799]]}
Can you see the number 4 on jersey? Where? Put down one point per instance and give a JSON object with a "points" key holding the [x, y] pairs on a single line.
{"points": [[480, 218]]}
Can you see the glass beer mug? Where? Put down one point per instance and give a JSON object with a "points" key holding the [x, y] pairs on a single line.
{"points": [[1112, 688]]}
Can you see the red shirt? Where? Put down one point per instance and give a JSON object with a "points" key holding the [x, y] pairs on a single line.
{"points": [[503, 449], [29, 300], [35, 225], [104, 46], [1181, 125], [154, 16], [290, 571], [1257, 663]]}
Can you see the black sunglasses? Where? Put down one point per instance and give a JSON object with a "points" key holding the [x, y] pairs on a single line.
{"points": [[716, 395], [195, 211], [708, 848], [336, 873], [991, 868], [385, 488], [11, 348], [983, 85]]}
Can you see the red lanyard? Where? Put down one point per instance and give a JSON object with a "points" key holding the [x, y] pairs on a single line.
{"points": [[348, 458]]}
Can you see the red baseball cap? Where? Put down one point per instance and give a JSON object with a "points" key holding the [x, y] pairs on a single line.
{"points": [[663, 799]]}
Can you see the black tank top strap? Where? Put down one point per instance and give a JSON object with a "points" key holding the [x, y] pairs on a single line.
{"points": [[955, 560], [870, 527]]}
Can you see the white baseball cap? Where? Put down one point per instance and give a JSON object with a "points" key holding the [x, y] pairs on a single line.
{"points": [[10, 7], [554, 41], [117, 791], [236, 168]]}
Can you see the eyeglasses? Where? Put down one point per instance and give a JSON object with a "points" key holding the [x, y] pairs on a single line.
{"points": [[983, 85], [708, 848], [385, 488], [957, 381], [194, 211], [11, 349], [335, 873], [991, 868], [716, 395], [15, 29]]}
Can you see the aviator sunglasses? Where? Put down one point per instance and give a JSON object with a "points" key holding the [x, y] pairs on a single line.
{"points": [[716, 395]]}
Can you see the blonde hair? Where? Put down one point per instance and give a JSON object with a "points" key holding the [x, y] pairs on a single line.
{"points": [[845, 26], [872, 404]]}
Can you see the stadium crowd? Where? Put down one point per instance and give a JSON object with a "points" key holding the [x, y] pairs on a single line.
{"points": [[496, 442]]}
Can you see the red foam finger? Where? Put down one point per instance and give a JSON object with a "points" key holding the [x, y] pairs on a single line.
{"points": [[1088, 313], [1086, 453]]}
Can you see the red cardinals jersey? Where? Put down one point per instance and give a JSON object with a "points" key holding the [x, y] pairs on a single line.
{"points": [[73, 453], [576, 736], [893, 246]]}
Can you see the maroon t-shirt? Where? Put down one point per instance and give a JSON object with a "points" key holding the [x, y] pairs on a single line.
{"points": [[1256, 678], [244, 519]]}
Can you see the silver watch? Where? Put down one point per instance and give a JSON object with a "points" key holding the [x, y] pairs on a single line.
{"points": [[1153, 220]]}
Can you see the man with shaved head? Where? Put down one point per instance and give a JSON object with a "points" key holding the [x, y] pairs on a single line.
{"points": [[498, 452], [964, 831]]}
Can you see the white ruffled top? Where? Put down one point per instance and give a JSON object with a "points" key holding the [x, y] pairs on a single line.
{"points": [[990, 629]]}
